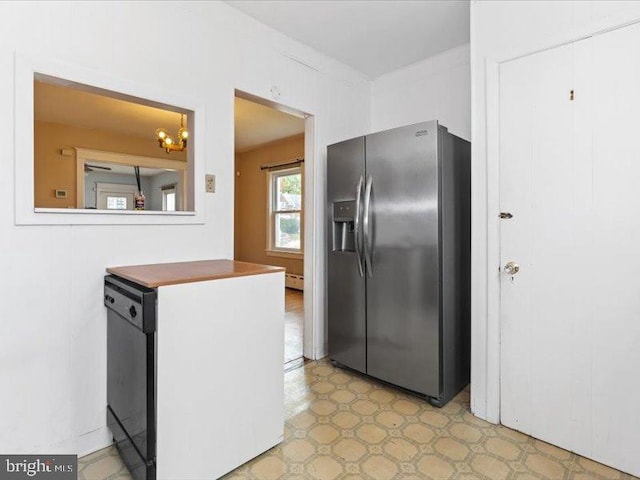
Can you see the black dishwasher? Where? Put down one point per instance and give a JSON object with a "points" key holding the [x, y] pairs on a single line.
{"points": [[131, 373]]}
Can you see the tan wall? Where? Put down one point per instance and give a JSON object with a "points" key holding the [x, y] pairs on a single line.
{"points": [[250, 239], [53, 171]]}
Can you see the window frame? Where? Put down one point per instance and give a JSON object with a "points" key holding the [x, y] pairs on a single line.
{"points": [[272, 212], [27, 68]]}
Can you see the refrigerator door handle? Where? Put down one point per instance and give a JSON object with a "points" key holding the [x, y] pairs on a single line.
{"points": [[358, 228], [366, 228]]}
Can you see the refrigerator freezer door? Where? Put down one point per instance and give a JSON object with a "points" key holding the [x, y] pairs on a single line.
{"points": [[403, 318], [345, 286]]}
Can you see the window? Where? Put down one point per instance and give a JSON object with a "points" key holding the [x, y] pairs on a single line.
{"points": [[169, 199], [285, 211], [116, 203]]}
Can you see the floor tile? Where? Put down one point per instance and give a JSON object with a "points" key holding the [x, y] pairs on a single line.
{"points": [[362, 429]]}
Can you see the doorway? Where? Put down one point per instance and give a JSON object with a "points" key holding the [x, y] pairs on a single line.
{"points": [[269, 206]]}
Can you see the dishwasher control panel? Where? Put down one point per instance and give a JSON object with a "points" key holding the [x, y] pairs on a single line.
{"points": [[134, 303]]}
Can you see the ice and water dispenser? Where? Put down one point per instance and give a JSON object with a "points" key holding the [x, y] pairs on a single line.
{"points": [[344, 216]]}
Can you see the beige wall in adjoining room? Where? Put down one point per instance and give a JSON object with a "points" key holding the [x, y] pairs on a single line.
{"points": [[250, 237], [53, 171]]}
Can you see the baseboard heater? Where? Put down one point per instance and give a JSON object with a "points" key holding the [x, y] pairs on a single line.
{"points": [[294, 281]]}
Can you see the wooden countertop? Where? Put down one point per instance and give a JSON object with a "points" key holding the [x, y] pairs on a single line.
{"points": [[159, 274]]}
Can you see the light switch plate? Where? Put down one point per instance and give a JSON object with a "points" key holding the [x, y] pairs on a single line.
{"points": [[210, 183]]}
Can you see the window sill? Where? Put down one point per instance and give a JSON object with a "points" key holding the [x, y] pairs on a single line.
{"points": [[90, 211], [72, 216], [285, 254]]}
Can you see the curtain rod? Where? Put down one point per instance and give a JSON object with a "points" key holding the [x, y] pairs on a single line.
{"points": [[272, 166]]}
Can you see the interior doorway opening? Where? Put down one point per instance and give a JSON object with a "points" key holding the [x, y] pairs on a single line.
{"points": [[269, 205]]}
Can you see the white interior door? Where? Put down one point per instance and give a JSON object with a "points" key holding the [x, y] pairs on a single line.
{"points": [[570, 176], [536, 162]]}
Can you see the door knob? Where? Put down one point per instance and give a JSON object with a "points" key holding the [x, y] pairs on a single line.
{"points": [[511, 268]]}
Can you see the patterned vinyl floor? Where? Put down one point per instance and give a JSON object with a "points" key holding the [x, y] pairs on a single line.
{"points": [[340, 425]]}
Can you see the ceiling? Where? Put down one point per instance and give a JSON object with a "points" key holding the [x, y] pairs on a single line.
{"points": [[72, 106], [257, 124], [374, 37]]}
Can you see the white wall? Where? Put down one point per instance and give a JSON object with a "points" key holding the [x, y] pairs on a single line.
{"points": [[52, 322], [500, 31], [437, 88]]}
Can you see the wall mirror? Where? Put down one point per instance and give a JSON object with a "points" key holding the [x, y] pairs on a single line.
{"points": [[98, 150]]}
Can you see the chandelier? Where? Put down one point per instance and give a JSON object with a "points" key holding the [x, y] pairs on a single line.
{"points": [[167, 142]]}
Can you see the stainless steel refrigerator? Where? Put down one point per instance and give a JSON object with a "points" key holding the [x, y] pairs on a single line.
{"points": [[399, 251]]}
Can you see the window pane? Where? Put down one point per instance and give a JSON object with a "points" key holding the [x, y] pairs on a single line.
{"points": [[170, 201], [288, 230], [116, 203], [289, 192]]}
